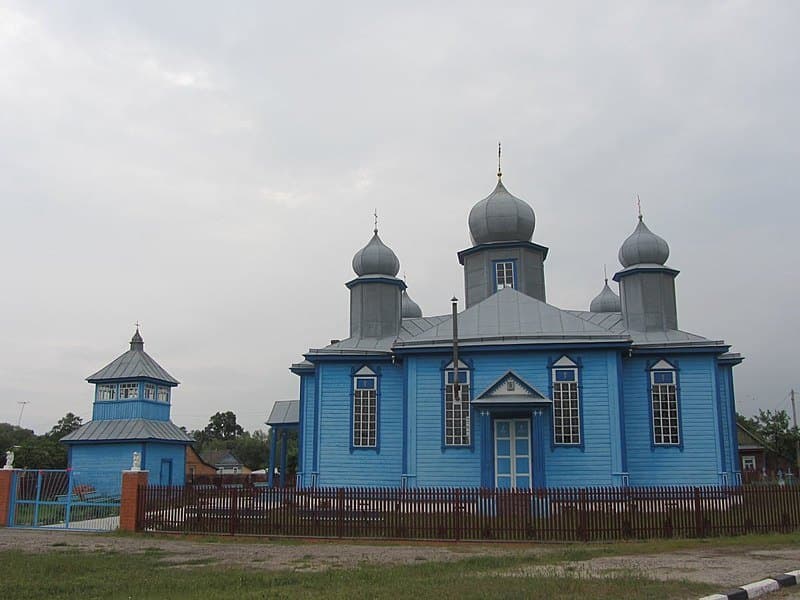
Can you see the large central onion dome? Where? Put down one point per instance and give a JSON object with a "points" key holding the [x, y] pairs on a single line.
{"points": [[501, 217], [606, 301], [643, 247], [376, 258]]}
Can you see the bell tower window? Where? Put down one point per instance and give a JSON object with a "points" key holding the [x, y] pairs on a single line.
{"points": [[504, 274], [106, 391], [128, 391]]}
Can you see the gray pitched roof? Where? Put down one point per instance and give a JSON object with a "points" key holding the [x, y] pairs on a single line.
{"points": [[670, 337], [510, 316], [128, 429], [132, 365], [285, 412]]}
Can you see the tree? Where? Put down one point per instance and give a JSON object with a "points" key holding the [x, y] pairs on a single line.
{"points": [[66, 424], [41, 452], [222, 426]]}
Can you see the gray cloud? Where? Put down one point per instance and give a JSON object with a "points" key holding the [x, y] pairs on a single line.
{"points": [[210, 171]]}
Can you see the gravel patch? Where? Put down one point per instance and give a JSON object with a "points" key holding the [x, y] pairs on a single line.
{"points": [[258, 553]]}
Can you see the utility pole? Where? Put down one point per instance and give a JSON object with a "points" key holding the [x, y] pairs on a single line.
{"points": [[797, 438], [22, 404]]}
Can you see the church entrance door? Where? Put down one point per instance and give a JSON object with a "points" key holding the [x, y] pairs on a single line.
{"points": [[512, 453]]}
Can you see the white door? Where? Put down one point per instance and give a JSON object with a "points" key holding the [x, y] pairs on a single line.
{"points": [[512, 453]]}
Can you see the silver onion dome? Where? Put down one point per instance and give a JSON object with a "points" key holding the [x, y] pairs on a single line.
{"points": [[606, 301], [643, 247], [376, 258], [501, 217], [408, 308]]}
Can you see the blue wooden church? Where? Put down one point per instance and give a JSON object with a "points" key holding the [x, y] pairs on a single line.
{"points": [[131, 413], [530, 395]]}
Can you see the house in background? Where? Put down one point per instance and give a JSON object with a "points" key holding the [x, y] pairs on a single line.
{"points": [[196, 466], [539, 396], [131, 413], [759, 460], [225, 462]]}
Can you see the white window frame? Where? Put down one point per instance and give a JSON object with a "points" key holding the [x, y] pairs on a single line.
{"points": [[365, 409], [149, 391], [664, 406], [750, 460], [507, 268], [457, 412], [566, 405], [162, 394], [124, 388], [106, 391]]}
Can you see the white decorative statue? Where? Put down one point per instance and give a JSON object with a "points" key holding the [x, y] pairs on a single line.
{"points": [[9, 460], [137, 462]]}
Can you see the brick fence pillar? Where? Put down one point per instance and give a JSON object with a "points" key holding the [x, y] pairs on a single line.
{"points": [[6, 477], [129, 501]]}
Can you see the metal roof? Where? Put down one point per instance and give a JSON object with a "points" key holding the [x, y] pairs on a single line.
{"points": [[132, 365], [670, 337], [285, 412], [128, 429], [510, 316]]}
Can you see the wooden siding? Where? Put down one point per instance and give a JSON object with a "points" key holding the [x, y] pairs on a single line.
{"points": [[130, 409], [339, 463], [306, 467], [696, 461]]}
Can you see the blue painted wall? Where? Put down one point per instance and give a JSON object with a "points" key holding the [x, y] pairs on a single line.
{"points": [[338, 463], [697, 460], [615, 412], [154, 453], [130, 409], [306, 431], [101, 464]]}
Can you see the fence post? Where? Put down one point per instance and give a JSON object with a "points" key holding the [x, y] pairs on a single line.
{"points": [[340, 512], [129, 499], [6, 496], [698, 514], [234, 525]]}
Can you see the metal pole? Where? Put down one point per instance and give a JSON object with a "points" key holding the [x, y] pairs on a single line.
{"points": [[797, 438], [456, 394]]}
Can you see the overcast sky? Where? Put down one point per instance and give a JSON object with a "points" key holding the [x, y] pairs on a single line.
{"points": [[209, 169]]}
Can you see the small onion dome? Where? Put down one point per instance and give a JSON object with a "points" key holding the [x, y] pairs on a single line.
{"points": [[137, 343], [606, 301], [501, 217], [408, 308], [376, 258], [643, 247]]}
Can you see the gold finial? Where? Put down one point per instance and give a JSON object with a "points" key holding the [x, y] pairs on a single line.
{"points": [[499, 154]]}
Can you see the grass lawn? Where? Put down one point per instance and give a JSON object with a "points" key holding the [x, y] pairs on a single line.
{"points": [[67, 574]]}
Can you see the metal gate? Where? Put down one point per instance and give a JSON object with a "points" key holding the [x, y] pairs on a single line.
{"points": [[65, 499]]}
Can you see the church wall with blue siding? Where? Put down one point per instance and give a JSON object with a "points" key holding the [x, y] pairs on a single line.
{"points": [[613, 396]]}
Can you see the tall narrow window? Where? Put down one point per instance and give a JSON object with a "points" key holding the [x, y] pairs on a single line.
{"points": [[504, 274], [163, 394], [149, 391], [456, 408], [365, 409], [566, 403], [128, 390], [664, 398], [106, 391]]}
